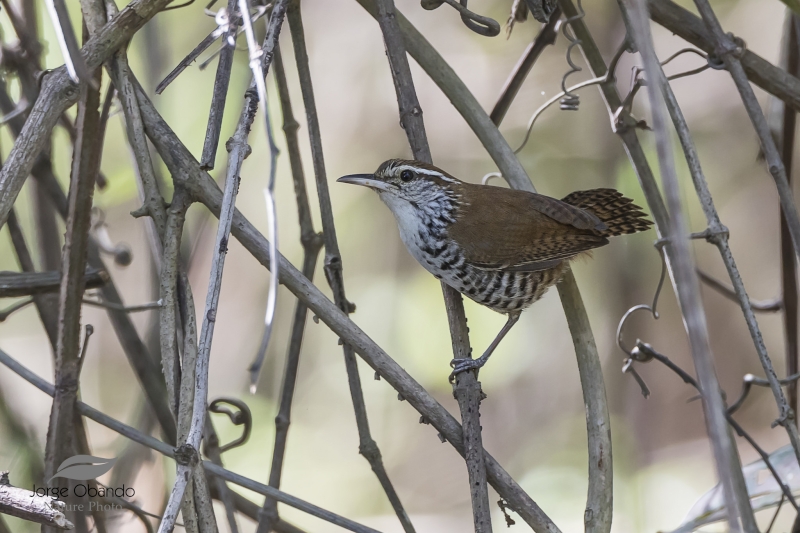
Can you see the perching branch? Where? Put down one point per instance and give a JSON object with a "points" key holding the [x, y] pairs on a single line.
{"points": [[333, 266], [186, 171], [466, 388]]}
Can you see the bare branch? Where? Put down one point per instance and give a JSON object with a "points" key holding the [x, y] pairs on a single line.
{"points": [[61, 440], [546, 37], [15, 284], [58, 93], [220, 94], [687, 285], [312, 244], [685, 24], [168, 451], [778, 171], [30, 506], [194, 386], [333, 267]]}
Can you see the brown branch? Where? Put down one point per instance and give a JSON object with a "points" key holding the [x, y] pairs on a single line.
{"points": [[789, 299]]}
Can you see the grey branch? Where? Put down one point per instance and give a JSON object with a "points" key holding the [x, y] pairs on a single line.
{"points": [[789, 210], [685, 24], [333, 267], [311, 241], [687, 286], [30, 506], [196, 384], [58, 93], [15, 284], [466, 388], [168, 451], [187, 173]]}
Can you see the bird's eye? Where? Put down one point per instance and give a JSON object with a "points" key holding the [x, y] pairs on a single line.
{"points": [[406, 175]]}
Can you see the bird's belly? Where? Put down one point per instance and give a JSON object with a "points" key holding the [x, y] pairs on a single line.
{"points": [[501, 291]]}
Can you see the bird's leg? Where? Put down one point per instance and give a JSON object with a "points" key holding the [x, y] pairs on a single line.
{"points": [[462, 365]]}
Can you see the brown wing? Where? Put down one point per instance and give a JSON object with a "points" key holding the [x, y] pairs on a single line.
{"points": [[518, 230]]}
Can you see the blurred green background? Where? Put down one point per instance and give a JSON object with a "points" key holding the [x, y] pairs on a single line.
{"points": [[533, 421]]}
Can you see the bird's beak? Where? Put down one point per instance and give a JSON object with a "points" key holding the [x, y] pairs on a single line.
{"points": [[367, 180]]}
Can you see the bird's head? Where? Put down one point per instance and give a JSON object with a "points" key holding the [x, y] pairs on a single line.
{"points": [[407, 186]]}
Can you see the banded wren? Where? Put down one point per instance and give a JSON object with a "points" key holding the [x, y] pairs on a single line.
{"points": [[502, 248]]}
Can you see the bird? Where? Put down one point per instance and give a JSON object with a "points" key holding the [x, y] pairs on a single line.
{"points": [[500, 247]]}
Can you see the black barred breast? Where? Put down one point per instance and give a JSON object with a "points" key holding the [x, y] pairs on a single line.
{"points": [[500, 290]]}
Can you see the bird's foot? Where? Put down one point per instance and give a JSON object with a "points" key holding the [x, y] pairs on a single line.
{"points": [[465, 365]]}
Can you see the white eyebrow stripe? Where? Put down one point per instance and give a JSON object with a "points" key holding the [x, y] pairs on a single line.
{"points": [[425, 171]]}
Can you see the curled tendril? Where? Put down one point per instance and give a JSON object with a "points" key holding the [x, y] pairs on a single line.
{"points": [[241, 417], [479, 24], [635, 354], [571, 101]]}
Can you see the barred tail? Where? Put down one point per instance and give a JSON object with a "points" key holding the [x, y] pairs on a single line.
{"points": [[619, 213]]}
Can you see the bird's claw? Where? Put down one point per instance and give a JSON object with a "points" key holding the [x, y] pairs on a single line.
{"points": [[464, 365]]}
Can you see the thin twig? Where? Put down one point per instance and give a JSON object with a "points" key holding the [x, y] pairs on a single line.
{"points": [[168, 451], [236, 19], [730, 52], [761, 72], [187, 173], [645, 352], [58, 93], [766, 306], [220, 94], [333, 265], [546, 37], [687, 285], [260, 60], [196, 384], [48, 313], [312, 244], [124, 308], [15, 284]]}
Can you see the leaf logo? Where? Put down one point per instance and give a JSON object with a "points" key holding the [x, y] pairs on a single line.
{"points": [[83, 467]]}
